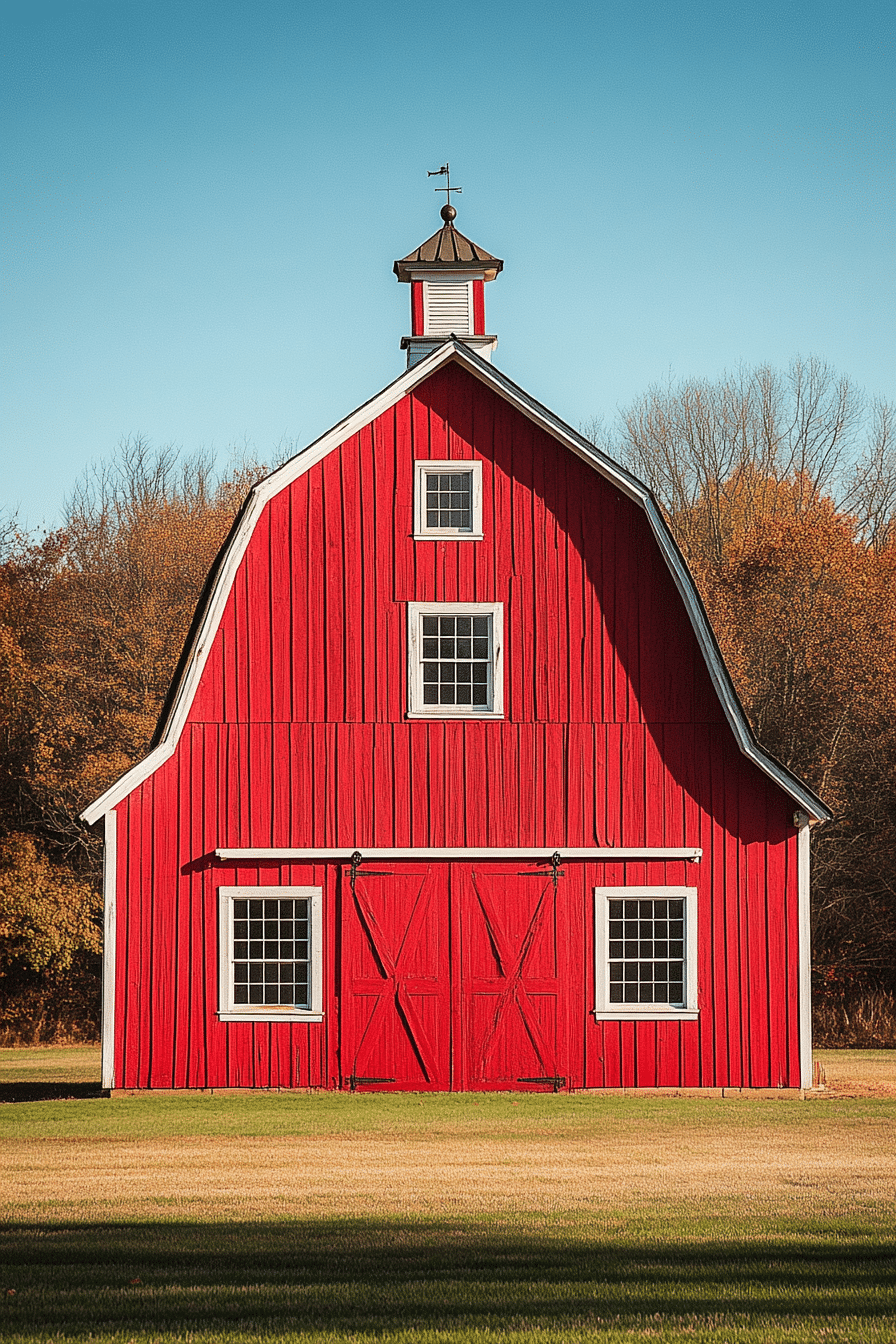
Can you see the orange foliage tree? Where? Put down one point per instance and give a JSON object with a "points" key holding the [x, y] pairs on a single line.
{"points": [[92, 621], [781, 491]]}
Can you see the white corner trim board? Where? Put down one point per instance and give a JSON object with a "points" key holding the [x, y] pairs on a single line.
{"points": [[470, 852], [107, 1027], [265, 490], [804, 949]]}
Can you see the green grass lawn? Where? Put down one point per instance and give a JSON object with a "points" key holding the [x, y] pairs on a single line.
{"points": [[444, 1218], [50, 1064], [670, 1277]]}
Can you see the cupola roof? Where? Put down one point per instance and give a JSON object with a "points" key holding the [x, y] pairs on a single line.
{"points": [[448, 250]]}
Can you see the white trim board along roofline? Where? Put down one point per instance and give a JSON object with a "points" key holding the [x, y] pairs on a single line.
{"points": [[212, 603]]}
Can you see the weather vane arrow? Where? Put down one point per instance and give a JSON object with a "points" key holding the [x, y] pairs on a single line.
{"points": [[445, 172]]}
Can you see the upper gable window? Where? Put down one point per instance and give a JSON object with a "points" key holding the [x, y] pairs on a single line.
{"points": [[448, 306], [448, 500], [455, 659]]}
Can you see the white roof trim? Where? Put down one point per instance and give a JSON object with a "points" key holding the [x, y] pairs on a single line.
{"points": [[278, 480]]}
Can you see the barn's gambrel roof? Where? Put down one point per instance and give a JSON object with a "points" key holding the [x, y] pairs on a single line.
{"points": [[214, 596]]}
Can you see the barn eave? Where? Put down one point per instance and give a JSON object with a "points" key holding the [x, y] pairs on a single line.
{"points": [[210, 607]]}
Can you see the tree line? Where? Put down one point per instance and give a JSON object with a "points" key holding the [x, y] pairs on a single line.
{"points": [[780, 488]]}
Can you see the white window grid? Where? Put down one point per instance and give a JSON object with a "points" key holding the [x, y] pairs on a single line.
{"points": [[424, 529], [270, 962], [645, 945], [454, 672]]}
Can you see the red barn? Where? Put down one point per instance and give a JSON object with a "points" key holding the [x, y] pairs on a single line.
{"points": [[452, 789]]}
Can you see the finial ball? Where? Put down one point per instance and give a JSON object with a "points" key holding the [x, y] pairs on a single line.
{"points": [[448, 213]]}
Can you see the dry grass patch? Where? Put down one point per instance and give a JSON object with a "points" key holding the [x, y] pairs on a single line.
{"points": [[859, 1073], [50, 1064], [746, 1161]]}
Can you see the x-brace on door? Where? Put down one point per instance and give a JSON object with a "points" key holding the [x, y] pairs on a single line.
{"points": [[395, 983], [513, 986]]}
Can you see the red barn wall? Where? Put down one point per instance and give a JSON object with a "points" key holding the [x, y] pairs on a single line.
{"points": [[612, 736]]}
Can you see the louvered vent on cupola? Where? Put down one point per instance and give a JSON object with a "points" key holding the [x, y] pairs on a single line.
{"points": [[447, 306]]}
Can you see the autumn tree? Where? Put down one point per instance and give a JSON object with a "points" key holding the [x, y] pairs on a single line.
{"points": [[92, 620], [781, 491]]}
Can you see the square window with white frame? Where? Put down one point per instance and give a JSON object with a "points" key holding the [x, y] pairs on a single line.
{"points": [[270, 953], [455, 659], [448, 500], [645, 941]]}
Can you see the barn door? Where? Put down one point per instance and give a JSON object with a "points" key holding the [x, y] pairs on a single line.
{"points": [[513, 1007], [395, 993]]}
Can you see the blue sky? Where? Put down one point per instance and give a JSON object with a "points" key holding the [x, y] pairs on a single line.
{"points": [[203, 201]]}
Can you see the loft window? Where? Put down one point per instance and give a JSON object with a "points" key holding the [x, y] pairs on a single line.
{"points": [[448, 500], [270, 953], [645, 952], [455, 659]]}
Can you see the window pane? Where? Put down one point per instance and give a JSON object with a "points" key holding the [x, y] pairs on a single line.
{"points": [[449, 500], [646, 951], [458, 661], [272, 966]]}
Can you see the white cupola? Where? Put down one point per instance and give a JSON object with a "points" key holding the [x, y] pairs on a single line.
{"points": [[447, 275]]}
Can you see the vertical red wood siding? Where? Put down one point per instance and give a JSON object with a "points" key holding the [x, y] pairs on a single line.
{"points": [[479, 307], [612, 736], [416, 307]]}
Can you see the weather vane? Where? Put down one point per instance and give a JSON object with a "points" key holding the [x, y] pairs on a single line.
{"points": [[445, 172]]}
